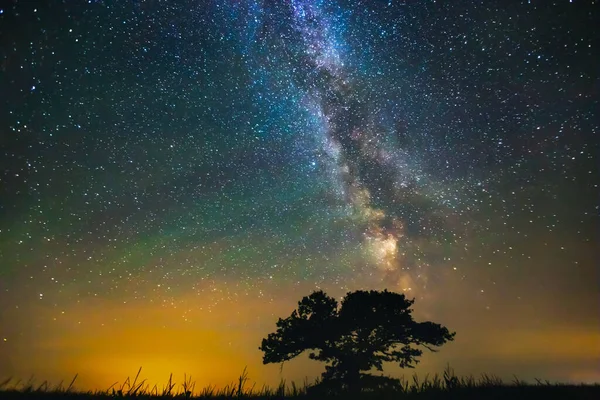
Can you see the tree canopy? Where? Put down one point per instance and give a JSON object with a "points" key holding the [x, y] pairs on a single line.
{"points": [[366, 330]]}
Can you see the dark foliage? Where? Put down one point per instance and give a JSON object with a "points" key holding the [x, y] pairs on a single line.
{"points": [[444, 387], [366, 330]]}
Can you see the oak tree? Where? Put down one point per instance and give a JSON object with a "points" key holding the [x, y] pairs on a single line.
{"points": [[367, 329]]}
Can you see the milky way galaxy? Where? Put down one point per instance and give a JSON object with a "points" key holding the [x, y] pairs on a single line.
{"points": [[175, 176]]}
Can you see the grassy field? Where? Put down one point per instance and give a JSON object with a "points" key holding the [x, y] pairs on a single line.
{"points": [[446, 386]]}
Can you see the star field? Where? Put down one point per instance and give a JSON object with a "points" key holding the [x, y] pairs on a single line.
{"points": [[178, 174]]}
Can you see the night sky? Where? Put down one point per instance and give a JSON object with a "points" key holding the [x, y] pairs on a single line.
{"points": [[176, 175]]}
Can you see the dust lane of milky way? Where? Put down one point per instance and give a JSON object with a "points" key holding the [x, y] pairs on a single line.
{"points": [[174, 177]]}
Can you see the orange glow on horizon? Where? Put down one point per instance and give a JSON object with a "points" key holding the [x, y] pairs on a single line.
{"points": [[214, 346]]}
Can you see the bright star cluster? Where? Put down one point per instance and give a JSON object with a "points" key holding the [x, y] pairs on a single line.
{"points": [[175, 175]]}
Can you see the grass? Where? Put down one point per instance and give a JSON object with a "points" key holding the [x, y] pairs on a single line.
{"points": [[445, 386]]}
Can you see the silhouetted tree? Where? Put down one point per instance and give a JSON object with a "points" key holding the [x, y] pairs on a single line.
{"points": [[369, 328]]}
